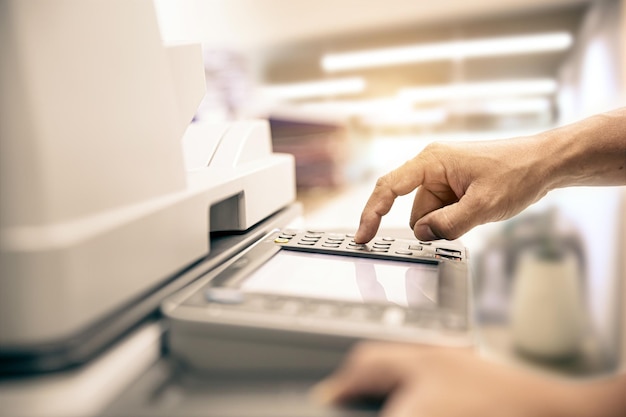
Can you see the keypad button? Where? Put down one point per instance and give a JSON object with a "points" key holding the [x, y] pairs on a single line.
{"points": [[306, 243], [394, 316], [426, 243], [255, 303], [404, 252], [426, 322], [382, 250], [452, 254], [382, 244], [223, 295], [448, 257], [281, 240], [421, 317], [330, 245], [446, 251], [388, 239], [336, 239], [416, 247], [275, 303], [326, 310], [357, 314], [357, 246], [363, 313], [291, 307]]}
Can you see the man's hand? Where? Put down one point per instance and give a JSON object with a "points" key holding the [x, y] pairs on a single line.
{"points": [[462, 185], [459, 186]]}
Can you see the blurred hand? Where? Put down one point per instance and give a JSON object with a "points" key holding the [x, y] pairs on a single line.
{"points": [[460, 185], [440, 382]]}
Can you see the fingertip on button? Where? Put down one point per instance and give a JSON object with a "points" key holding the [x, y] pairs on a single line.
{"points": [[361, 237]]}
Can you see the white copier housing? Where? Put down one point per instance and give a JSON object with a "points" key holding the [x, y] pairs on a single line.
{"points": [[99, 201]]}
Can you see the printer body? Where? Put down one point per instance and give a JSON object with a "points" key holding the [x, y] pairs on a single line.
{"points": [[108, 189]]}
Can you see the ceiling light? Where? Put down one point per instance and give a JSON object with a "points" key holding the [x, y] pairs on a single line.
{"points": [[381, 111], [313, 89], [501, 107], [463, 91], [357, 107], [510, 45], [427, 117]]}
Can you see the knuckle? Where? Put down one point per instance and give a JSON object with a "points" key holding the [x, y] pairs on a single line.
{"points": [[386, 186], [382, 182], [435, 156], [432, 147], [435, 149]]}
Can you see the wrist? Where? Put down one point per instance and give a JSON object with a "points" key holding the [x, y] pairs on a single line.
{"points": [[589, 152]]}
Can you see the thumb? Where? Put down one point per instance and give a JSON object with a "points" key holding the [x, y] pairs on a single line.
{"points": [[452, 221]]}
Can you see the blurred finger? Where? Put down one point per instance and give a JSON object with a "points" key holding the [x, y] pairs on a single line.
{"points": [[370, 370]]}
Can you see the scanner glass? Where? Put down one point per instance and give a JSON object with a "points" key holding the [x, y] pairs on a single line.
{"points": [[350, 279]]}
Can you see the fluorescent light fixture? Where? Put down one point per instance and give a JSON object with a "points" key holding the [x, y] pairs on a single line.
{"points": [[510, 45], [381, 111], [503, 107], [314, 89], [427, 117], [464, 91], [357, 107]]}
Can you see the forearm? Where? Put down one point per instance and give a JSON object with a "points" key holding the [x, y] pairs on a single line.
{"points": [[589, 152], [606, 398]]}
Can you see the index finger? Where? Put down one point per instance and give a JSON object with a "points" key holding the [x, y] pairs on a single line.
{"points": [[400, 181]]}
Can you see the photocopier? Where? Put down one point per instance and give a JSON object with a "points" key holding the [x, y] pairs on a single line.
{"points": [[152, 265]]}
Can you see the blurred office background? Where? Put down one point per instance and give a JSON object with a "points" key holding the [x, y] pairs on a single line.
{"points": [[354, 88]]}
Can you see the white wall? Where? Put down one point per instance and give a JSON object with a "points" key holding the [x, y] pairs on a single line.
{"points": [[593, 80]]}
